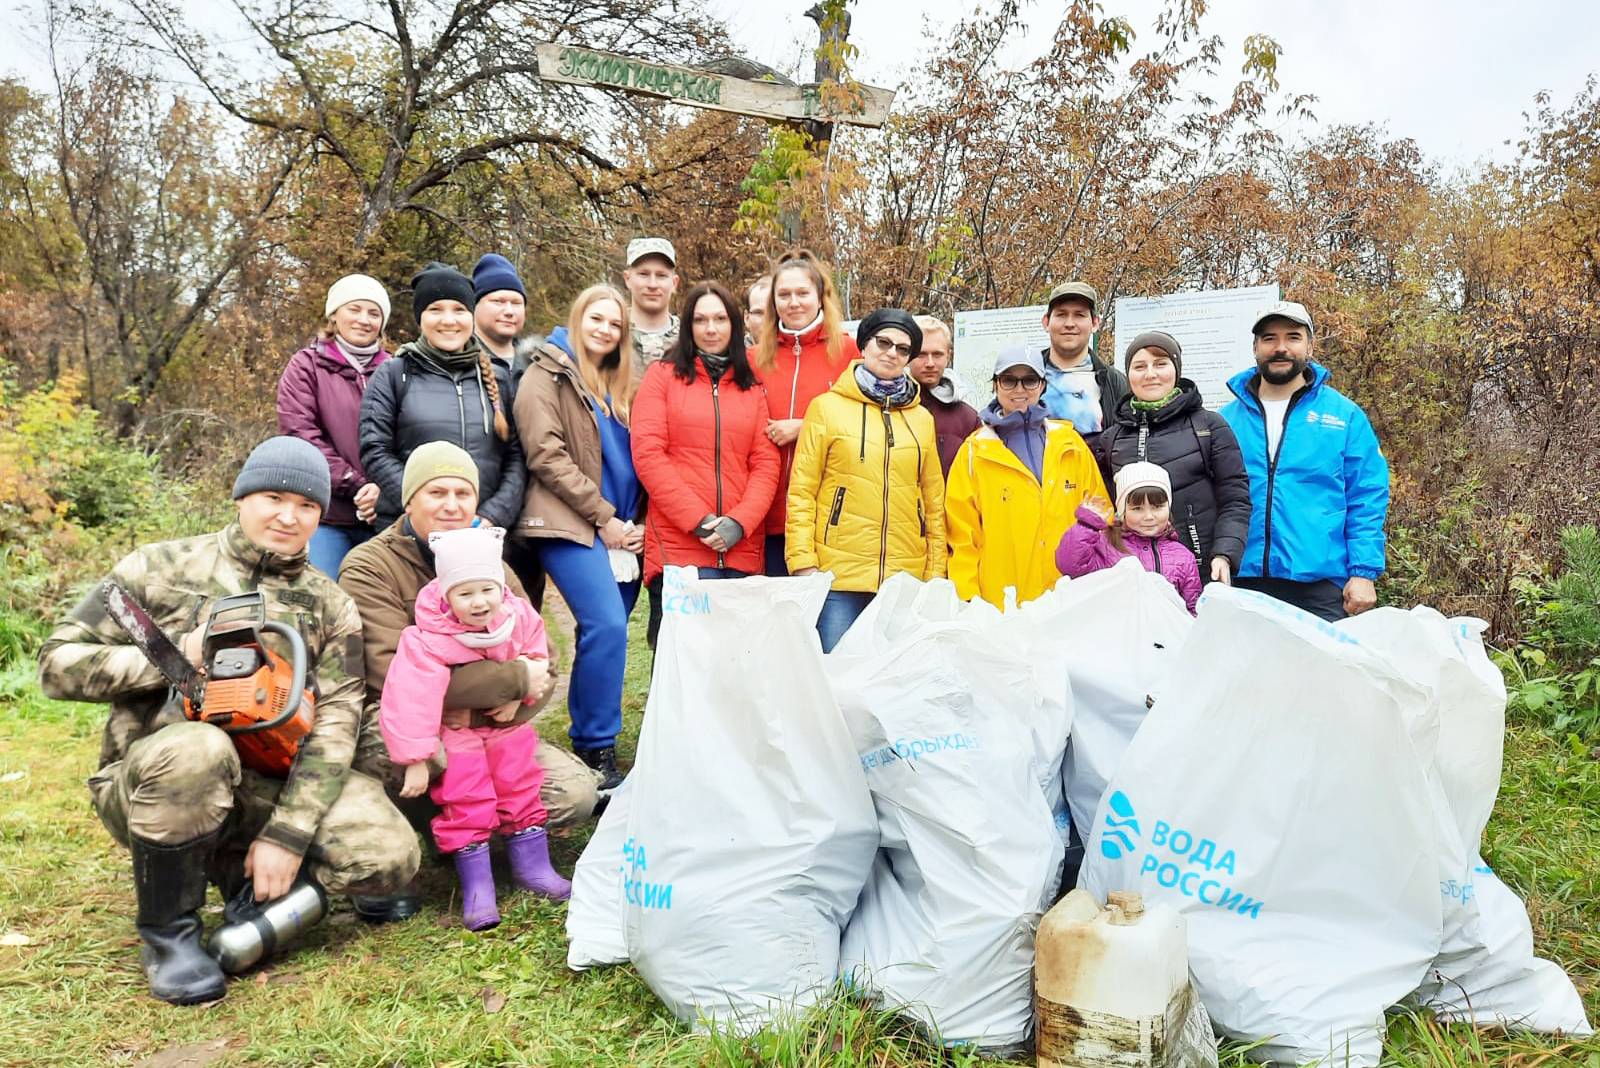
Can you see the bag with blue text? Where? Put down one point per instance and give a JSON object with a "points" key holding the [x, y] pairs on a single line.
{"points": [[750, 828], [1486, 972], [1280, 795], [594, 913], [1122, 627], [942, 709]]}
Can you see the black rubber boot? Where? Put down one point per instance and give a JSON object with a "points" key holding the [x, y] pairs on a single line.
{"points": [[603, 760], [170, 881], [391, 908]]}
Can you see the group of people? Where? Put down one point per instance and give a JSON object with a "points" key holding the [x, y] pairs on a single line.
{"points": [[416, 503]]}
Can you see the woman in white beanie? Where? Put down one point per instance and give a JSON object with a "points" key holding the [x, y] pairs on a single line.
{"points": [[319, 400]]}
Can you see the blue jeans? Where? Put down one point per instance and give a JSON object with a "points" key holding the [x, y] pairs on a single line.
{"points": [[842, 608], [600, 605], [329, 543], [772, 557]]}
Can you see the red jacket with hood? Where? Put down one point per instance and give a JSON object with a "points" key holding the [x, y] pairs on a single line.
{"points": [[801, 373]]}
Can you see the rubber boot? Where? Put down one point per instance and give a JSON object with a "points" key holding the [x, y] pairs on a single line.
{"points": [[478, 909], [387, 909], [170, 884], [529, 852], [603, 760]]}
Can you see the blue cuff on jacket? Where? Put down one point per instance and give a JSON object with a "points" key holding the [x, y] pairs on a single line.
{"points": [[1366, 573]]}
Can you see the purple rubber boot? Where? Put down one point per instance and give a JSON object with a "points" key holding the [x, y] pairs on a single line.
{"points": [[529, 851], [478, 910]]}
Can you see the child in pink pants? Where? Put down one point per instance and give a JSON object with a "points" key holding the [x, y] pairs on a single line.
{"points": [[491, 780]]}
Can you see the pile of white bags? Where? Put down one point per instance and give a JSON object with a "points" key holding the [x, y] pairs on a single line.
{"points": [[1120, 630], [1301, 791], [749, 831], [963, 761]]}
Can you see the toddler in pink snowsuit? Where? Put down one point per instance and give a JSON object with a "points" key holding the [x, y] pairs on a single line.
{"points": [[1142, 529], [491, 779]]}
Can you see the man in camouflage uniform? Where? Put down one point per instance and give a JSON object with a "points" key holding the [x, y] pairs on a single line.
{"points": [[651, 277], [173, 790]]}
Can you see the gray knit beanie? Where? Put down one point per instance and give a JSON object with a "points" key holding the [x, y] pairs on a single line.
{"points": [[286, 464]]}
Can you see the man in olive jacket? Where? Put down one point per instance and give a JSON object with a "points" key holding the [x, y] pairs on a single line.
{"points": [[384, 576], [173, 790]]}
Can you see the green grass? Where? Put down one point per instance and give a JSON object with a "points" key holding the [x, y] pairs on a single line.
{"points": [[420, 993]]}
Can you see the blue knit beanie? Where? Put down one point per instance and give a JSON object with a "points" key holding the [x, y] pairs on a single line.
{"points": [[493, 273], [286, 465]]}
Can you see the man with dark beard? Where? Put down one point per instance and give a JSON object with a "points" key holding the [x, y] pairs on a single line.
{"points": [[1319, 485]]}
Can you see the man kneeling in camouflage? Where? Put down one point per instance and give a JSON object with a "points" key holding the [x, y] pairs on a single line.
{"points": [[173, 790]]}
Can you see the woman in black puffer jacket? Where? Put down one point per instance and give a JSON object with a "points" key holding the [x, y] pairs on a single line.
{"points": [[443, 387], [1165, 422]]}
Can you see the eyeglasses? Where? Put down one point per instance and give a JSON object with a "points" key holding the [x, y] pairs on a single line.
{"points": [[883, 344], [1013, 382]]}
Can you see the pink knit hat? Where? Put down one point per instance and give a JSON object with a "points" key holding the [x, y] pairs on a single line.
{"points": [[467, 555]]}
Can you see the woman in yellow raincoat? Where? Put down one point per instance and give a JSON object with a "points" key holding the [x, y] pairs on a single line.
{"points": [[866, 494], [1015, 487]]}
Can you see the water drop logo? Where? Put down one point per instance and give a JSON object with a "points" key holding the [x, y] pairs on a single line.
{"points": [[1122, 827]]}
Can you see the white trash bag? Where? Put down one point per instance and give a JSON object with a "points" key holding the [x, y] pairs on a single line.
{"points": [[750, 830], [1486, 972], [1119, 631], [1279, 795], [594, 913], [970, 854]]}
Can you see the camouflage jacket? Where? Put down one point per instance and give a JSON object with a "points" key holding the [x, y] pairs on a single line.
{"points": [[650, 345], [90, 658]]}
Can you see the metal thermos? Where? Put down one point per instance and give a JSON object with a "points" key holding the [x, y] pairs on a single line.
{"points": [[251, 932]]}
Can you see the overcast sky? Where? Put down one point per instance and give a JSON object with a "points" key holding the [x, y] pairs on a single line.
{"points": [[1455, 75]]}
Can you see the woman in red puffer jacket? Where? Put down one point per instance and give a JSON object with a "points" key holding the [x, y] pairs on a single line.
{"points": [[701, 449], [801, 353]]}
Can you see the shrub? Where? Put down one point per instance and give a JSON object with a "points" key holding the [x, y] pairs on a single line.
{"points": [[73, 499]]}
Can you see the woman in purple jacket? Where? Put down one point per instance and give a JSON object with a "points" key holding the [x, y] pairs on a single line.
{"points": [[319, 399]]}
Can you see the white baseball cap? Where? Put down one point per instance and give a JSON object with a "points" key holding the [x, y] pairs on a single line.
{"points": [[640, 247], [1285, 309]]}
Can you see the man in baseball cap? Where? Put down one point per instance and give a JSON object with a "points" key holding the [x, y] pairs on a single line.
{"points": [[651, 277], [1079, 386], [1319, 485]]}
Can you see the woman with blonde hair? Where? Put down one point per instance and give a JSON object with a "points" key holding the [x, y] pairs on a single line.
{"points": [[799, 355], [582, 497], [442, 387]]}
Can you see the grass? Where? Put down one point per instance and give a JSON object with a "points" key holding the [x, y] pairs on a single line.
{"points": [[428, 993]]}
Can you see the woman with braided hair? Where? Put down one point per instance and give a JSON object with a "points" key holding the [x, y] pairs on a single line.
{"points": [[443, 387]]}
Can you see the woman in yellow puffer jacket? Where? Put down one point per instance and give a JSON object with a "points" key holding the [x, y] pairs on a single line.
{"points": [[1015, 487], [866, 494]]}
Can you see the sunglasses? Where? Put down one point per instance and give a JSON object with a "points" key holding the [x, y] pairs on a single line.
{"points": [[1013, 382], [883, 344]]}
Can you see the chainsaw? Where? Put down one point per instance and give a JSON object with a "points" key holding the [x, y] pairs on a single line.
{"points": [[260, 699]]}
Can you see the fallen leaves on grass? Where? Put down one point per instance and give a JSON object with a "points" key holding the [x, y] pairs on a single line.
{"points": [[493, 1000], [15, 938], [194, 1055]]}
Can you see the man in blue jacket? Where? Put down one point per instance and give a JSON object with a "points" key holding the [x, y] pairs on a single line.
{"points": [[1319, 486]]}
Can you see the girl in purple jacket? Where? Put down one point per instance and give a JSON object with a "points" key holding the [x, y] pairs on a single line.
{"points": [[1142, 529], [319, 399]]}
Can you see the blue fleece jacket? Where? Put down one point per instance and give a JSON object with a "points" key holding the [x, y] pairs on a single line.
{"points": [[1022, 432]]}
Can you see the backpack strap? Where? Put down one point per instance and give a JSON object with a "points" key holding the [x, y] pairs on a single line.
{"points": [[1202, 437]]}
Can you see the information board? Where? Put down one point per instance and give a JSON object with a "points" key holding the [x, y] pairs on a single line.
{"points": [[1212, 325]]}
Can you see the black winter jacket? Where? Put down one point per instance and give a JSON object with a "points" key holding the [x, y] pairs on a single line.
{"points": [[412, 400], [1210, 502]]}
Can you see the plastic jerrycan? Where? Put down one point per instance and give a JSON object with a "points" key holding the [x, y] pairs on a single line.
{"points": [[1111, 985]]}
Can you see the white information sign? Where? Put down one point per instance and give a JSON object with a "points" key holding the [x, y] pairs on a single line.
{"points": [[1213, 326], [981, 335]]}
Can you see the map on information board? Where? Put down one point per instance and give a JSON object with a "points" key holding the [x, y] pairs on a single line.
{"points": [[980, 335], [1213, 326]]}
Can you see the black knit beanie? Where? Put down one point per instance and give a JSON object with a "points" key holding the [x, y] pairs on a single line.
{"points": [[885, 318], [440, 281]]}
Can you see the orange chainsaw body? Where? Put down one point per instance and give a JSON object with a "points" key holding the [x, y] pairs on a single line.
{"points": [[257, 696]]}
